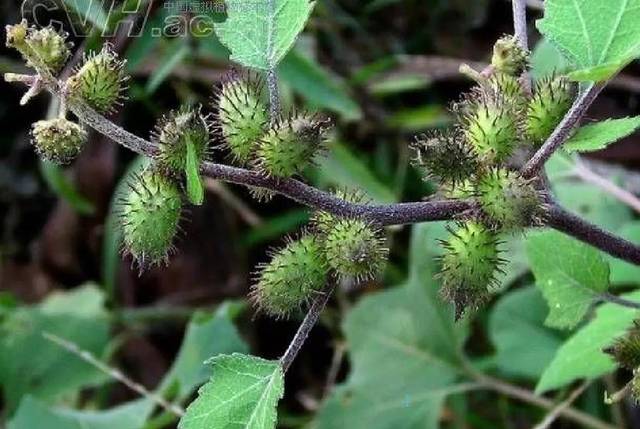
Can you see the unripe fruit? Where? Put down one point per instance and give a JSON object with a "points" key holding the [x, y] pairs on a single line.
{"points": [[508, 57], [355, 248], [58, 140], [551, 100], [510, 201], [174, 132], [290, 145], [511, 90], [490, 125], [446, 157], [626, 349], [42, 49], [242, 116], [150, 215], [100, 82], [294, 274], [469, 266], [322, 220], [461, 190]]}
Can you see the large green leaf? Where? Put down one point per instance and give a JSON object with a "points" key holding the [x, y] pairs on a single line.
{"points": [[260, 33], [35, 414], [600, 135], [569, 273], [243, 393], [581, 355], [404, 348], [524, 346], [598, 36], [30, 364]]}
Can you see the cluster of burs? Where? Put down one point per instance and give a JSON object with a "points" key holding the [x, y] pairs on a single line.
{"points": [[332, 248], [497, 122]]}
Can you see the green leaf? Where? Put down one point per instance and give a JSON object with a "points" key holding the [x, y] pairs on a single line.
{"points": [[64, 188], [195, 190], [524, 346], [243, 393], [420, 118], [593, 33], [174, 55], [404, 349], [30, 364], [597, 73], [622, 272], [581, 355], [206, 336], [598, 136], [35, 414], [89, 10], [260, 33], [317, 85], [569, 273]]}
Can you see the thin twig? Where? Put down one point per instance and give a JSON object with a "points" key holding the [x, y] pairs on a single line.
{"points": [[309, 321], [622, 195], [114, 373], [520, 23], [553, 415], [615, 299], [563, 130], [274, 97]]}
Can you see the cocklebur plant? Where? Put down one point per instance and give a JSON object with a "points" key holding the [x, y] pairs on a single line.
{"points": [[492, 195]]}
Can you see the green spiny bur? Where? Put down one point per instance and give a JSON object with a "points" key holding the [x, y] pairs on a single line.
{"points": [[469, 266], [508, 57], [552, 99], [291, 278], [511, 91], [100, 81], [625, 350], [355, 248], [446, 157], [173, 135], [43, 48], [290, 146], [242, 116], [150, 215], [509, 201], [58, 140]]}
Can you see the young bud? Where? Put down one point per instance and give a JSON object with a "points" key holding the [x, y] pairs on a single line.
{"points": [[551, 100], [294, 274], [355, 248], [446, 157], [17, 35], [290, 145], [58, 140], [41, 49], [509, 201], [469, 266], [150, 215], [242, 116], [626, 349], [508, 57], [490, 126], [100, 82], [174, 132]]}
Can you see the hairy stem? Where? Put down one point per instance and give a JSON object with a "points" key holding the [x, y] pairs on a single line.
{"points": [[563, 130], [274, 97], [615, 299], [309, 321]]}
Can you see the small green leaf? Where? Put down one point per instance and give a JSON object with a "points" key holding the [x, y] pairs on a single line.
{"points": [[195, 190], [598, 136], [64, 188], [243, 393], [591, 33], [569, 273], [260, 33], [581, 355]]}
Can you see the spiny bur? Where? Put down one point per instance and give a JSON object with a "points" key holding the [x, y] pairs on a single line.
{"points": [[355, 248], [625, 350], [470, 263], [174, 132], [552, 99], [150, 216], [510, 88], [509, 201], [290, 145], [490, 125], [447, 157], [43, 48], [242, 116], [58, 140], [461, 190], [100, 81], [294, 274], [508, 57]]}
